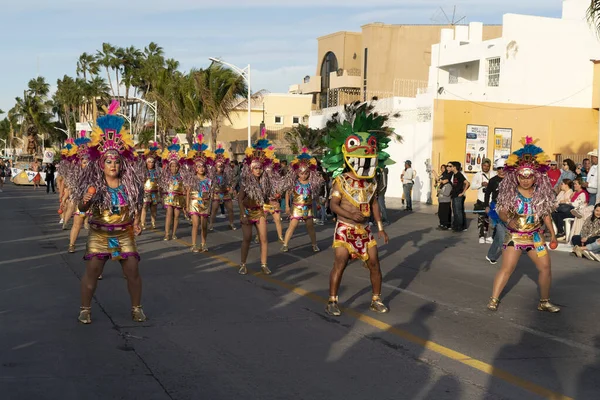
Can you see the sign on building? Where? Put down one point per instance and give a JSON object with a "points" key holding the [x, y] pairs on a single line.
{"points": [[476, 149], [48, 156], [83, 126], [502, 143]]}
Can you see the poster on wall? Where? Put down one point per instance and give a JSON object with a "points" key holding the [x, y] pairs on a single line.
{"points": [[502, 143], [477, 137]]}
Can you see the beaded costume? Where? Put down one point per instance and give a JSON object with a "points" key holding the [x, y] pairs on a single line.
{"points": [[172, 185]]}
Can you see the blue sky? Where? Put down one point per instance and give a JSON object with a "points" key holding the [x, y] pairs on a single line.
{"points": [[277, 37]]}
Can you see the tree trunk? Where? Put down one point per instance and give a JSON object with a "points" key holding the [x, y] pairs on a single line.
{"points": [[110, 81], [117, 83], [214, 131]]}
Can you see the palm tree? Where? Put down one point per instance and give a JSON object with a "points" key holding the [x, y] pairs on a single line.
{"points": [[67, 100], [302, 136], [85, 64], [105, 59], [220, 90], [593, 14]]}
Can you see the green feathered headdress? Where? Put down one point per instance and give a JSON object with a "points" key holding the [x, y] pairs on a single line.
{"points": [[359, 146]]}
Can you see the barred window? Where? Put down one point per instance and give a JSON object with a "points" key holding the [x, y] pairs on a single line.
{"points": [[493, 71]]}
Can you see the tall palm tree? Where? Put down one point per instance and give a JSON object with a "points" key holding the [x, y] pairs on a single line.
{"points": [[593, 14], [67, 100], [220, 90], [302, 136], [85, 64], [105, 59]]}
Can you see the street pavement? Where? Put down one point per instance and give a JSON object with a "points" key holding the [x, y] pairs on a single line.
{"points": [[213, 334]]}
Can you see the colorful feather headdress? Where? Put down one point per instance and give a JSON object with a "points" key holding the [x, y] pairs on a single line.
{"points": [[528, 158], [200, 154], [69, 150], [82, 143], [262, 151], [109, 135], [304, 161], [221, 156], [173, 153], [152, 151]]}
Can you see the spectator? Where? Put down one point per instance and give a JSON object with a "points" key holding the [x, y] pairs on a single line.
{"points": [[2, 174], [568, 172], [444, 207], [50, 170], [554, 173], [408, 181], [491, 195], [590, 234], [592, 177], [480, 182], [586, 164], [579, 200], [565, 194], [460, 185]]}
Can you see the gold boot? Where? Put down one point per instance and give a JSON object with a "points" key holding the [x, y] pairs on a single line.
{"points": [[166, 237], [256, 239], [137, 314], [280, 239], [85, 315], [174, 237], [545, 305], [285, 248], [143, 227], [232, 227], [316, 248], [71, 248], [195, 249], [377, 304], [243, 270], [203, 248], [493, 304], [265, 269], [332, 307]]}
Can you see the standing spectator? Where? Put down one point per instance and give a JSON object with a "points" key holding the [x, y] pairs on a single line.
{"points": [[50, 170], [444, 207], [592, 177], [554, 173], [586, 164], [491, 196], [480, 182], [2, 174], [382, 181], [460, 185], [408, 181]]}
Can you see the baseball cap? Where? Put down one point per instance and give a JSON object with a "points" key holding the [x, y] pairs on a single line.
{"points": [[499, 163]]}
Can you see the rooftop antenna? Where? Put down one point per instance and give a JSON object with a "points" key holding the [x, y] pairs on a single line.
{"points": [[441, 17]]}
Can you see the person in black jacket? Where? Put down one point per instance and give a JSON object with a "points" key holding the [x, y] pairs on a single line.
{"points": [[491, 195]]}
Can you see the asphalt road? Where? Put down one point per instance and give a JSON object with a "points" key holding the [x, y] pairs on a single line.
{"points": [[213, 334]]}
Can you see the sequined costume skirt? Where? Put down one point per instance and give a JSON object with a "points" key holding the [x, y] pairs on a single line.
{"points": [[105, 244], [199, 207], [301, 211], [174, 199], [222, 197], [254, 214], [526, 241], [151, 197], [357, 239], [272, 208]]}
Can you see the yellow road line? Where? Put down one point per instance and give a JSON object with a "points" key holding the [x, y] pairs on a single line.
{"points": [[428, 344]]}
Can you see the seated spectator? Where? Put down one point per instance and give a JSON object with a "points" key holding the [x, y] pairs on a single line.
{"points": [[565, 194], [578, 201], [568, 172], [587, 241]]}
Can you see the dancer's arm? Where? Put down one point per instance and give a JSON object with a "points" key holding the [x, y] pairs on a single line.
{"points": [[377, 217], [241, 197]]}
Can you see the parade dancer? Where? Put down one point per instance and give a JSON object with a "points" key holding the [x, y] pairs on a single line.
{"points": [[525, 204], [198, 191], [151, 189], [171, 184], [68, 156], [222, 180], [254, 190], [111, 189], [355, 152], [273, 206], [301, 183], [79, 217]]}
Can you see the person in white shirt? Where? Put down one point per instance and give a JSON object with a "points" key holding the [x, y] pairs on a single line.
{"points": [[479, 182], [408, 180], [592, 177]]}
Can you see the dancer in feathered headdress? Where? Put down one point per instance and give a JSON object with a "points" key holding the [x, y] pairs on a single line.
{"points": [[222, 181], [525, 204], [151, 187], [254, 192], [355, 152], [65, 167], [171, 185], [198, 190], [110, 188], [301, 184], [273, 174]]}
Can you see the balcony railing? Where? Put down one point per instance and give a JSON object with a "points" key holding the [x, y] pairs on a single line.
{"points": [[311, 85], [343, 79]]}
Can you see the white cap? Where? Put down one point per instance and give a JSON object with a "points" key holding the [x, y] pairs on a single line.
{"points": [[499, 163]]}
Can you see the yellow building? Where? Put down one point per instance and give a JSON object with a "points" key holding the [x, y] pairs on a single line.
{"points": [[277, 112], [380, 61]]}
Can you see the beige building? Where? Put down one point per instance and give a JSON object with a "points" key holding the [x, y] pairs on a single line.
{"points": [[279, 112], [380, 61]]}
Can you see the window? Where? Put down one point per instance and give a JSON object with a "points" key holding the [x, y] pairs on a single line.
{"points": [[278, 120], [493, 71], [453, 78], [295, 120]]}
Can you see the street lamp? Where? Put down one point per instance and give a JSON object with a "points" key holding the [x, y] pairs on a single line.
{"points": [[244, 73], [62, 130], [154, 107]]}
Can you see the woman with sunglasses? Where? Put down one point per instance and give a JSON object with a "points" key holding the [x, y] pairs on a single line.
{"points": [[525, 204]]}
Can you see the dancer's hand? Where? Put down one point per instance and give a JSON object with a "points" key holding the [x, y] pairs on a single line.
{"points": [[137, 229], [244, 219], [87, 197], [384, 236], [583, 240], [553, 242], [358, 216]]}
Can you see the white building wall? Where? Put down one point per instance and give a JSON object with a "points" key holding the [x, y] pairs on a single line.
{"points": [[544, 61]]}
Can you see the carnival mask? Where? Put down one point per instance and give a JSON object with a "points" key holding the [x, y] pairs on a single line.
{"points": [[360, 154]]}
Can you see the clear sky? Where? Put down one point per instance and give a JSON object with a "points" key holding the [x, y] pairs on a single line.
{"points": [[277, 37]]}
